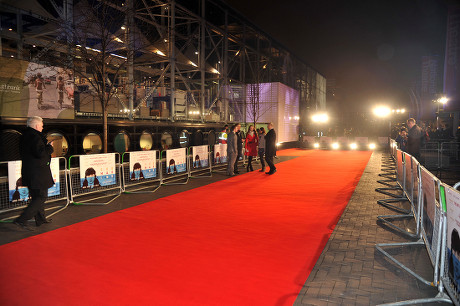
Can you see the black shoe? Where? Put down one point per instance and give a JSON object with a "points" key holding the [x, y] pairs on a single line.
{"points": [[237, 172], [23, 226], [46, 221], [262, 170]]}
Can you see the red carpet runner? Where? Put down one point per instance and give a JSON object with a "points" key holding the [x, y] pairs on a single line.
{"points": [[248, 240]]}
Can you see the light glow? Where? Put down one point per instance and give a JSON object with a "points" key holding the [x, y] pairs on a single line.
{"points": [[372, 146], [353, 146], [335, 145], [316, 145], [382, 111], [320, 118]]}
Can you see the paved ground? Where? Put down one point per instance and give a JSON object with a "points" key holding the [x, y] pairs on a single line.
{"points": [[349, 270]]}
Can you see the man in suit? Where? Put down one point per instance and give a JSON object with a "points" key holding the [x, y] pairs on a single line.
{"points": [[413, 138], [270, 148], [36, 173], [232, 150], [239, 145]]}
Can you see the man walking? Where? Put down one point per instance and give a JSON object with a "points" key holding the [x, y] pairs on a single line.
{"points": [[36, 173], [232, 150], [270, 148], [239, 147], [413, 139]]}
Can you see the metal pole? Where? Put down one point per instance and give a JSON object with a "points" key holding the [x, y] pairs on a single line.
{"points": [[172, 52], [225, 84], [202, 57], [129, 35]]}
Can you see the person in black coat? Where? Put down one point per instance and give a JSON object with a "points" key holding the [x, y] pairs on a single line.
{"points": [[239, 145], [36, 173], [270, 148]]}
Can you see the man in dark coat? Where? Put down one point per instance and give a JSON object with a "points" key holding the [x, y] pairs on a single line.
{"points": [[239, 145], [413, 139], [270, 148], [232, 151], [36, 173]]}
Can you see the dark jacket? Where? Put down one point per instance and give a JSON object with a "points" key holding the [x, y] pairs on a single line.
{"points": [[413, 141], [239, 143], [232, 147], [36, 157], [270, 143]]}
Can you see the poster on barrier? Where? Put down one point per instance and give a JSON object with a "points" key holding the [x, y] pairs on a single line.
{"points": [[399, 167], [97, 170], [176, 161], [17, 192], [430, 211], [142, 165], [220, 153], [56, 189], [415, 178], [200, 156], [20, 193], [453, 236], [408, 186]]}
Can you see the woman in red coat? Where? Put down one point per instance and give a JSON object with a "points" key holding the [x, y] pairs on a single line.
{"points": [[252, 140]]}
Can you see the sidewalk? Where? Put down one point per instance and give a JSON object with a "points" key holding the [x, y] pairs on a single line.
{"points": [[350, 271]]}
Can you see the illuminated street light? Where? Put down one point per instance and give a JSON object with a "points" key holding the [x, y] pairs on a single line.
{"points": [[439, 101], [320, 118], [382, 111]]}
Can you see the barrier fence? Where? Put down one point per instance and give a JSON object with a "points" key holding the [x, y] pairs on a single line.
{"points": [[344, 142], [435, 208], [200, 161], [14, 196], [141, 170], [95, 176], [175, 165]]}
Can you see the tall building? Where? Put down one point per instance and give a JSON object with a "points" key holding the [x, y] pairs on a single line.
{"points": [[430, 86], [452, 60]]}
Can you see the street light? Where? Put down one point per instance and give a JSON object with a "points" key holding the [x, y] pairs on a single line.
{"points": [[440, 101]]}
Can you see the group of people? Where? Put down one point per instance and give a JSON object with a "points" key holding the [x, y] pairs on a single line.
{"points": [[257, 142], [410, 141]]}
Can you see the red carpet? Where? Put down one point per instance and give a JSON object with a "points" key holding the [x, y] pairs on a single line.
{"points": [[248, 240]]}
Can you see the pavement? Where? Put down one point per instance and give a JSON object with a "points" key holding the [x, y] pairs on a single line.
{"points": [[348, 272]]}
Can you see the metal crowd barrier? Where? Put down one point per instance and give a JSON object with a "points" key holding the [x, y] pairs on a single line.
{"points": [[219, 160], [94, 177], [13, 197], [141, 170], [175, 167], [200, 161]]}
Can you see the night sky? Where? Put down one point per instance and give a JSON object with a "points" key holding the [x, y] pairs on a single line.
{"points": [[371, 48]]}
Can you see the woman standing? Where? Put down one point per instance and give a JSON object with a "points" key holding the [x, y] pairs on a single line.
{"points": [[252, 140], [262, 148]]}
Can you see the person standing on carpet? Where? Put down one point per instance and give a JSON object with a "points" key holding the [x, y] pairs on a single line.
{"points": [[35, 153], [232, 150], [239, 145], [413, 138], [262, 148], [252, 139], [270, 148]]}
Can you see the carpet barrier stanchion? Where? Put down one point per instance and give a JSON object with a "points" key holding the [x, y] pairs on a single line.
{"points": [[396, 197], [200, 161], [431, 236], [95, 177], [14, 196], [176, 167], [412, 190], [141, 171]]}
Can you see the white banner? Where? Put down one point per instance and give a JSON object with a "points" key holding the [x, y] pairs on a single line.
{"points": [[54, 166], [200, 156], [97, 170], [453, 237], [142, 165], [176, 161], [220, 153], [430, 215]]}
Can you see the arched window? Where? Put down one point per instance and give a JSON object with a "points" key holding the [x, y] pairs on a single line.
{"points": [[59, 143], [121, 142], [92, 143], [184, 140], [146, 141], [166, 141]]}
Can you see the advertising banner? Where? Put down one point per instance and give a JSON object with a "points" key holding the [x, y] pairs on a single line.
{"points": [[142, 165], [416, 179], [200, 157], [20, 193], [409, 182], [97, 170], [176, 161], [17, 192], [30, 89], [400, 167], [220, 153], [430, 211], [453, 237], [54, 166]]}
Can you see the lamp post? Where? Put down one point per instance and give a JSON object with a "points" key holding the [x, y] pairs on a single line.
{"points": [[440, 101]]}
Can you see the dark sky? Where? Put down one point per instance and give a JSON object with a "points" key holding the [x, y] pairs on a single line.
{"points": [[372, 48]]}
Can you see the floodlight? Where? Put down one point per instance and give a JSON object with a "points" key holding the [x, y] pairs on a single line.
{"points": [[372, 146], [382, 111], [320, 118], [353, 146], [316, 145], [335, 145]]}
